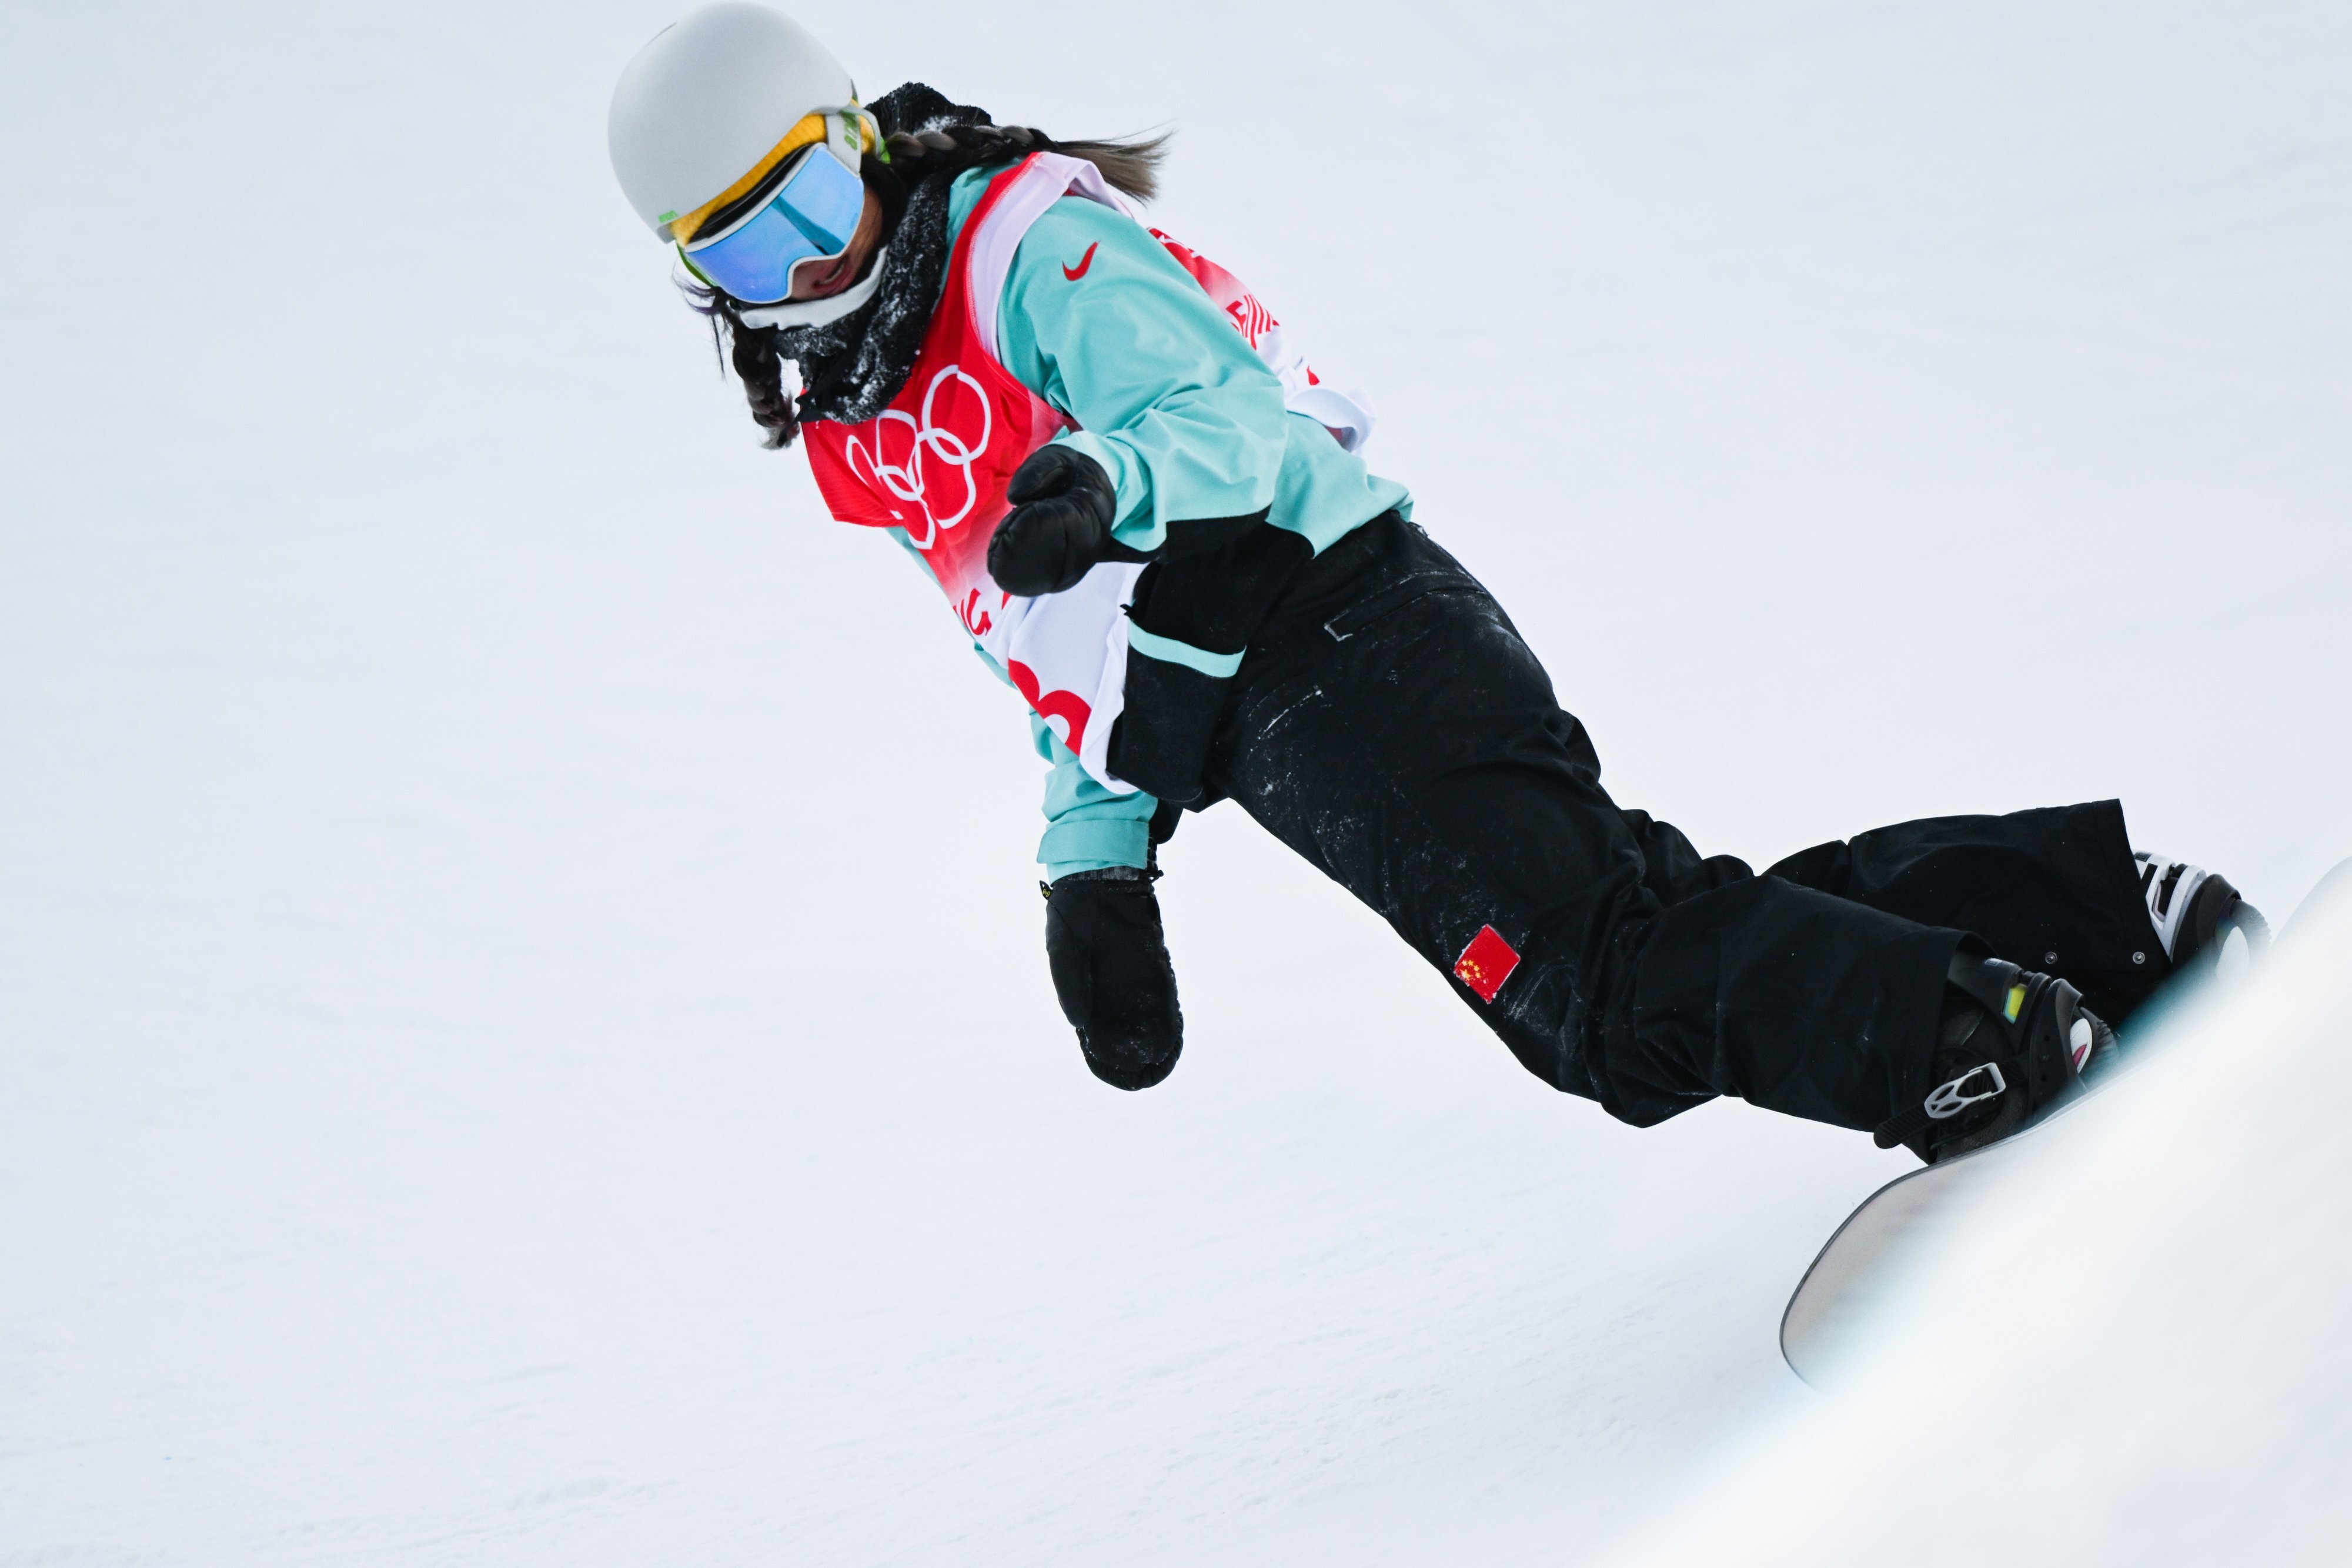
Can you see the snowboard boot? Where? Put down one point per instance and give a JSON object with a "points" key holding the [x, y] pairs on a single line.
{"points": [[2199, 917], [2011, 1047]]}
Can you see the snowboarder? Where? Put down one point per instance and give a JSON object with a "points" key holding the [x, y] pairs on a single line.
{"points": [[1155, 521]]}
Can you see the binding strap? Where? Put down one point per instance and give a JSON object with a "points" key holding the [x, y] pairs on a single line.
{"points": [[1980, 1083]]}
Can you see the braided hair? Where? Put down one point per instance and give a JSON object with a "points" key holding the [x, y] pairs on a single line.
{"points": [[945, 141]]}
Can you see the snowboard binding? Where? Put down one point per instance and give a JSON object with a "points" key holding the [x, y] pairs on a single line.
{"points": [[2197, 915], [2012, 1047]]}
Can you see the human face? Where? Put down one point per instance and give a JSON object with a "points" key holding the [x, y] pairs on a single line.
{"points": [[801, 222], [823, 280]]}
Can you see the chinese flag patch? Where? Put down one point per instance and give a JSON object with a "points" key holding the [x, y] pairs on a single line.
{"points": [[1486, 964]]}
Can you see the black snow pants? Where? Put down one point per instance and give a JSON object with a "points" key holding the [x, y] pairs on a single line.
{"points": [[1389, 725]]}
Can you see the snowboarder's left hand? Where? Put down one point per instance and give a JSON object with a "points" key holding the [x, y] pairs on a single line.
{"points": [[1059, 527], [1112, 973]]}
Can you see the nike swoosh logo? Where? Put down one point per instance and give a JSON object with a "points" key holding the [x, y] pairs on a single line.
{"points": [[1085, 261]]}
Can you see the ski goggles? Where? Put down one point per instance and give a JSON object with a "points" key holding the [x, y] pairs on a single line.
{"points": [[808, 211]]}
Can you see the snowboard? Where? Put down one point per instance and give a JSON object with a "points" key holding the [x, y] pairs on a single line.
{"points": [[1853, 1271]]}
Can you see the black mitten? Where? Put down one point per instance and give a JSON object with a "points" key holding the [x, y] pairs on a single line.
{"points": [[1059, 527], [1111, 971]]}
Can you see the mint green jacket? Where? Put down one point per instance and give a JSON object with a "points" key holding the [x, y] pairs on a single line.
{"points": [[1183, 416]]}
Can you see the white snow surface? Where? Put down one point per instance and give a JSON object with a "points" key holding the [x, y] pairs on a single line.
{"points": [[2131, 1348], [523, 1035]]}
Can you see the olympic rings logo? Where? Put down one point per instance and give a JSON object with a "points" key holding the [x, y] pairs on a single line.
{"points": [[929, 447]]}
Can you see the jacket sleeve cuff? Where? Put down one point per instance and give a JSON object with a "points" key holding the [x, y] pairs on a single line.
{"points": [[1134, 524], [1094, 845]]}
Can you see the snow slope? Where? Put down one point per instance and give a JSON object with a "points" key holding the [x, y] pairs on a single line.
{"points": [[2131, 1351], [522, 1035]]}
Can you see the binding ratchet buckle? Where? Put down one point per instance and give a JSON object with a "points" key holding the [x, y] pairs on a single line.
{"points": [[1946, 1100]]}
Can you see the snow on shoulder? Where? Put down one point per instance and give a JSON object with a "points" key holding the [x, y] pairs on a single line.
{"points": [[2134, 1350]]}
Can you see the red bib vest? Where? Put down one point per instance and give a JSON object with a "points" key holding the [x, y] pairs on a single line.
{"points": [[937, 461]]}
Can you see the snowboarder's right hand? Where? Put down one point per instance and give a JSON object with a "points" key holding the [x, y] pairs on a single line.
{"points": [[1112, 973], [1059, 527]]}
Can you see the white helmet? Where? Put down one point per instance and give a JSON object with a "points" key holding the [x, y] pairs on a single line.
{"points": [[710, 97]]}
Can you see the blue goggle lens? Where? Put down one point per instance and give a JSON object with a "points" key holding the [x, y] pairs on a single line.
{"points": [[812, 216]]}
